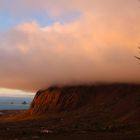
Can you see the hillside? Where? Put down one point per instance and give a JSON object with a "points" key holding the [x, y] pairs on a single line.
{"points": [[110, 102], [105, 112]]}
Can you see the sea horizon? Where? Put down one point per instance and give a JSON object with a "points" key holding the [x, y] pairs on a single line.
{"points": [[15, 102]]}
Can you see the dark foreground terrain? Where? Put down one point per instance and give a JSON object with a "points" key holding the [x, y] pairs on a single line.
{"points": [[61, 127], [101, 112]]}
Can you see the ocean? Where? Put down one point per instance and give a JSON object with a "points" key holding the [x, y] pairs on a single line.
{"points": [[15, 103]]}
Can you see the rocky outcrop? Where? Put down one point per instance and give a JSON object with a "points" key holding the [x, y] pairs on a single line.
{"points": [[56, 99], [121, 101]]}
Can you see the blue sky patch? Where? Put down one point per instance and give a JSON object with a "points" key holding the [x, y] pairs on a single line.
{"points": [[8, 21]]}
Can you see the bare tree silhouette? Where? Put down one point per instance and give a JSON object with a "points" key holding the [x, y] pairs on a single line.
{"points": [[137, 56]]}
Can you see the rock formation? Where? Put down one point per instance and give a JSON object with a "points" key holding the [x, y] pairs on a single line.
{"points": [[120, 101]]}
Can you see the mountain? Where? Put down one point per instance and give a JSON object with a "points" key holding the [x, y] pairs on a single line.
{"points": [[99, 103]]}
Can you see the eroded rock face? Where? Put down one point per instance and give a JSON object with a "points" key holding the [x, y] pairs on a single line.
{"points": [[56, 99], [122, 101]]}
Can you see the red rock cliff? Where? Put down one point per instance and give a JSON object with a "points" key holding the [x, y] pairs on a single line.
{"points": [[119, 100]]}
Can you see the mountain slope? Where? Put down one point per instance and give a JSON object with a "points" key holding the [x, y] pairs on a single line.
{"points": [[110, 102]]}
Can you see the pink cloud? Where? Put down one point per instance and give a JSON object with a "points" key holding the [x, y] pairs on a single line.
{"points": [[97, 47]]}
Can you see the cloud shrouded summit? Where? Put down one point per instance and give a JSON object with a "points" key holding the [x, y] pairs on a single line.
{"points": [[97, 46]]}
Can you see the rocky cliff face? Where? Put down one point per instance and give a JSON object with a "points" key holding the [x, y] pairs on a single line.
{"points": [[56, 99], [120, 101]]}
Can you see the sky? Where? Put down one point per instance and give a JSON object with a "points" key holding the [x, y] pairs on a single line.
{"points": [[15, 93], [61, 42]]}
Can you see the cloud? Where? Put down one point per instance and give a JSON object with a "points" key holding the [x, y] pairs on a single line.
{"points": [[61, 7], [97, 47]]}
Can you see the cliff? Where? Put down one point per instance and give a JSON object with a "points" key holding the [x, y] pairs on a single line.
{"points": [[116, 101]]}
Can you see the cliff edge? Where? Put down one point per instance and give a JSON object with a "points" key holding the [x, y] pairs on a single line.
{"points": [[120, 101]]}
